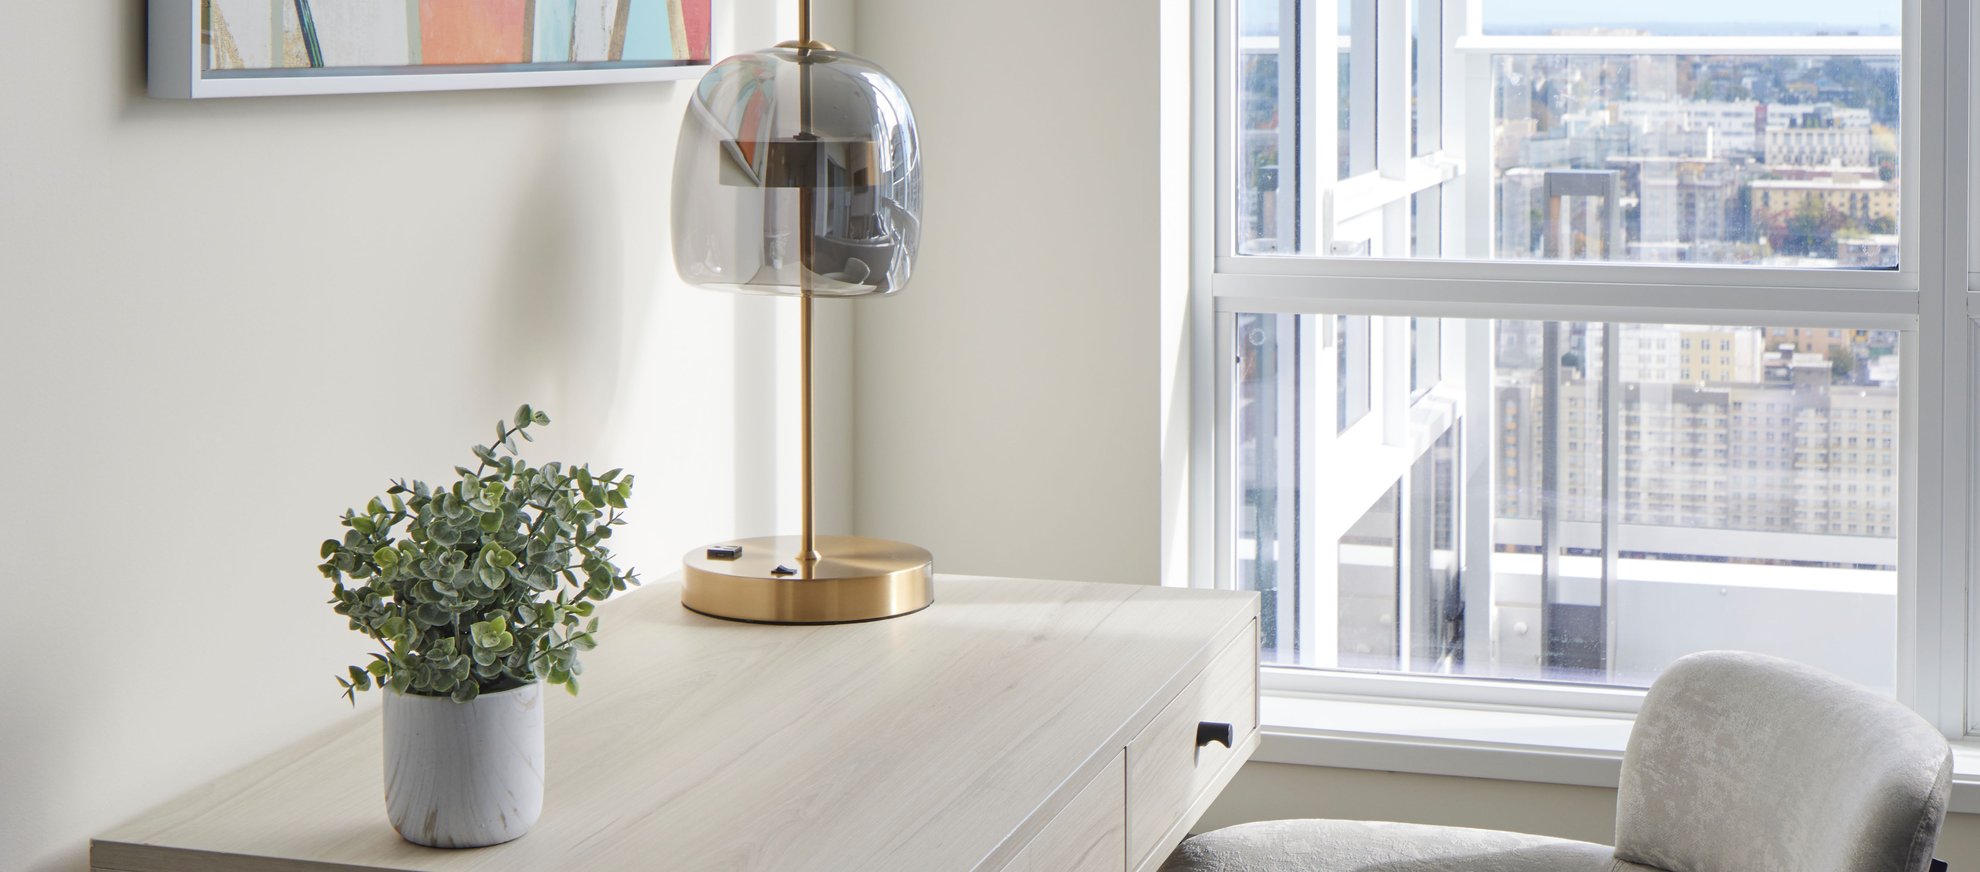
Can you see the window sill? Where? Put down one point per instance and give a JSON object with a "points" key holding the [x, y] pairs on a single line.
{"points": [[1546, 747]]}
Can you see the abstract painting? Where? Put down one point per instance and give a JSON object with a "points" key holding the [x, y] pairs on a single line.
{"points": [[332, 35]]}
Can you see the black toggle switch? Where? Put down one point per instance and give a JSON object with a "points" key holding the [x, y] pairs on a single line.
{"points": [[783, 570]]}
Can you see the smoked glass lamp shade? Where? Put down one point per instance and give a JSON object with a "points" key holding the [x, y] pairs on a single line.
{"points": [[798, 171]]}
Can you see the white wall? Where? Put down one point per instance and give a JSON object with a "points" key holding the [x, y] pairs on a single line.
{"points": [[222, 322], [1008, 400], [1005, 409]]}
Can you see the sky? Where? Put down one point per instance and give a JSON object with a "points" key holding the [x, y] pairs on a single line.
{"points": [[1739, 17]]}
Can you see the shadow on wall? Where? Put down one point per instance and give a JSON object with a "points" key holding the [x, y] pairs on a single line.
{"points": [[560, 306]]}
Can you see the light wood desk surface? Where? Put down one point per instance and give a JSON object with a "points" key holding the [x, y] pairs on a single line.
{"points": [[946, 739]]}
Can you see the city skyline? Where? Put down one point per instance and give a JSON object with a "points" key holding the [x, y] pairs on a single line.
{"points": [[1674, 18]]}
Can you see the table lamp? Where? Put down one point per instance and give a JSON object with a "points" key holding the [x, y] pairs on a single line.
{"points": [[799, 174]]}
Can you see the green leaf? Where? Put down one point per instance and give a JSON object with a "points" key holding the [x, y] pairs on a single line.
{"points": [[491, 544]]}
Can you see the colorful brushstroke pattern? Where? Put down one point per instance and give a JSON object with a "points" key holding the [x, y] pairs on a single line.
{"points": [[474, 31], [276, 34]]}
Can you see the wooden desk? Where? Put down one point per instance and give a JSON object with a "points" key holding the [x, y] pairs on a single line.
{"points": [[1015, 725]]}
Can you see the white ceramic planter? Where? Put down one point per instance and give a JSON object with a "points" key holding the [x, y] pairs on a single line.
{"points": [[464, 775]]}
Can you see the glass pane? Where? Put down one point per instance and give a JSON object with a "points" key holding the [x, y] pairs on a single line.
{"points": [[1354, 367], [1643, 491], [1264, 214], [1369, 591], [1352, 145], [1779, 161], [1426, 357], [1604, 132], [1265, 442]]}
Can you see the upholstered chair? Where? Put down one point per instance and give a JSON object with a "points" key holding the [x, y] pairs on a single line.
{"points": [[1737, 763]]}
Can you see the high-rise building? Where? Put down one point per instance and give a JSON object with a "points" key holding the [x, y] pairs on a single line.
{"points": [[1782, 448], [1858, 195]]}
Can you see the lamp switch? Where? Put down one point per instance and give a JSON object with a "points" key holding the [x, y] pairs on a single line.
{"points": [[724, 552], [783, 570]]}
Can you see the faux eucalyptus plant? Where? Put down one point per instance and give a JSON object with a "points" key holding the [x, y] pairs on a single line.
{"points": [[483, 586]]}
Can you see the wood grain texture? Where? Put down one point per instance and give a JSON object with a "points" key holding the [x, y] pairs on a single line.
{"points": [[947, 739], [1166, 772], [1090, 835]]}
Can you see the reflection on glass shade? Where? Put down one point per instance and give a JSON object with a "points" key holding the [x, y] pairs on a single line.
{"points": [[778, 135]]}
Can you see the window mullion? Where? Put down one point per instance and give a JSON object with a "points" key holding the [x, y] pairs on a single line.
{"points": [[1319, 134], [1942, 581], [1612, 511], [1294, 233], [1392, 110]]}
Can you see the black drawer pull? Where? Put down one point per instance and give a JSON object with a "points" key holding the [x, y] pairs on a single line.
{"points": [[1208, 732]]}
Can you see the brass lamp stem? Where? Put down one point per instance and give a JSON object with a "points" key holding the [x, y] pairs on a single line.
{"points": [[808, 545], [807, 555]]}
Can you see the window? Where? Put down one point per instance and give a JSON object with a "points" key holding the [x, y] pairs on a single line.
{"points": [[1549, 339], [1546, 132], [1570, 570]]}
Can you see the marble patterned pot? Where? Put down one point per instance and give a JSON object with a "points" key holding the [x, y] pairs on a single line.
{"points": [[464, 775]]}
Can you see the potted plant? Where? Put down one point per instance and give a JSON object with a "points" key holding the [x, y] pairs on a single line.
{"points": [[476, 593]]}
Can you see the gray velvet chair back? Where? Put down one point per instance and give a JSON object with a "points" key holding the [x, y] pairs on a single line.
{"points": [[1743, 762]]}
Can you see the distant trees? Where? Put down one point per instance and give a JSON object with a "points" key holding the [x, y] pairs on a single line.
{"points": [[1808, 231], [1875, 88]]}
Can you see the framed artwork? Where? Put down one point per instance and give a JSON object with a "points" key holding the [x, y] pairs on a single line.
{"points": [[247, 48]]}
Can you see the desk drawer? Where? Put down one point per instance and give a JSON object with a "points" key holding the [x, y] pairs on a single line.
{"points": [[1086, 836], [1166, 768]]}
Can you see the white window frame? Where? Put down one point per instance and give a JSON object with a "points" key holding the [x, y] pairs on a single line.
{"points": [[1939, 328]]}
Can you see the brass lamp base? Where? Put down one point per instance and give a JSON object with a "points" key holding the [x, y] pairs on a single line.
{"points": [[854, 579]]}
